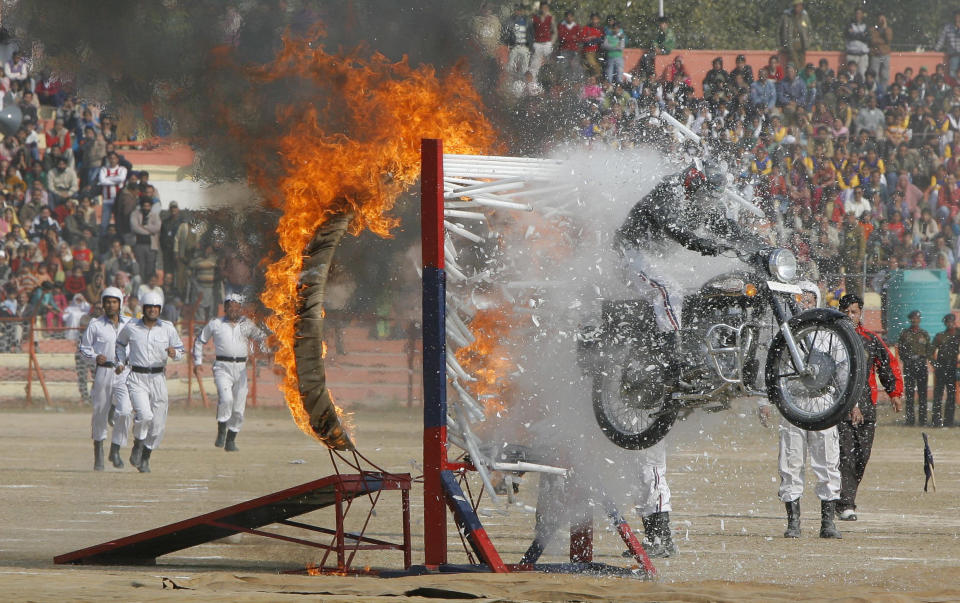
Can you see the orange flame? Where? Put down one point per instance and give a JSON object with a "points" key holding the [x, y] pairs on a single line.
{"points": [[355, 149], [489, 359]]}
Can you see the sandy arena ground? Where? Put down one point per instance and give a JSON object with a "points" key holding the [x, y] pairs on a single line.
{"points": [[722, 470]]}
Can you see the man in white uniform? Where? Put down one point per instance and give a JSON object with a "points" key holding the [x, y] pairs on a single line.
{"points": [[824, 450], [231, 336], [98, 344], [152, 341]]}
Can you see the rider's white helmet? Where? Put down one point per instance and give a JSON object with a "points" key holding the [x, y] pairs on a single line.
{"points": [[151, 298], [236, 298], [112, 292]]}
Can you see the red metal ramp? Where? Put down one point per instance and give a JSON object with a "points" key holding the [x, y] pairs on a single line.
{"points": [[334, 490]]}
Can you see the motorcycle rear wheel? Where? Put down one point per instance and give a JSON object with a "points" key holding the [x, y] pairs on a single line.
{"points": [[835, 352], [627, 424]]}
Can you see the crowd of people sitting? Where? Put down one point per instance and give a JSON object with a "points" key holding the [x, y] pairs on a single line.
{"points": [[856, 170], [76, 216]]}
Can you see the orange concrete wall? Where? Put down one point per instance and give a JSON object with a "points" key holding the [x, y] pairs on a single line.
{"points": [[698, 62]]}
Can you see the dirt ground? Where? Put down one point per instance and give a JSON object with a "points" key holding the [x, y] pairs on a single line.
{"points": [[722, 471]]}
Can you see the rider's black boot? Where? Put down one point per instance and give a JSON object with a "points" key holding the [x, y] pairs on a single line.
{"points": [[827, 511], [114, 456], [136, 452], [221, 434], [144, 466], [659, 540], [98, 455], [793, 519]]}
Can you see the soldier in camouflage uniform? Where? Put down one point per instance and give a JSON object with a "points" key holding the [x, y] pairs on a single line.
{"points": [[943, 356], [853, 249], [914, 348]]}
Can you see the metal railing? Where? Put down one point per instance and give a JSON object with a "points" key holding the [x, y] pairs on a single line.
{"points": [[34, 353]]}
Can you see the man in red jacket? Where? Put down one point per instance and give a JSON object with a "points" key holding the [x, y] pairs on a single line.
{"points": [[568, 34], [591, 36], [544, 38], [857, 431]]}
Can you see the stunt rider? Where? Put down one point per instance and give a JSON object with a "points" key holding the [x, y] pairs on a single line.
{"points": [[678, 210], [674, 211]]}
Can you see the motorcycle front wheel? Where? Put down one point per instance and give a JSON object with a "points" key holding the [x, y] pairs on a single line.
{"points": [[632, 417], [836, 377]]}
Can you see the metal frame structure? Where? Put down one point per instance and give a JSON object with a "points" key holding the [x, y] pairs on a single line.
{"points": [[456, 186], [338, 491]]}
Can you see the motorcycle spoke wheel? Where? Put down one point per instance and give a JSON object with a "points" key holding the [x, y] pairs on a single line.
{"points": [[625, 419], [820, 396], [812, 395]]}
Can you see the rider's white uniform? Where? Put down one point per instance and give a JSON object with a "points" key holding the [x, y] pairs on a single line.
{"points": [[109, 388], [148, 391], [652, 494], [232, 341], [651, 277]]}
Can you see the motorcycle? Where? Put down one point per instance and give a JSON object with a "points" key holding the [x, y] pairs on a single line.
{"points": [[814, 363]]}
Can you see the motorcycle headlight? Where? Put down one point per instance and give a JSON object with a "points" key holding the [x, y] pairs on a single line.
{"points": [[782, 265]]}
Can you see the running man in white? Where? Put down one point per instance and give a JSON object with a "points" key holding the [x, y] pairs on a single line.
{"points": [[231, 336], [98, 344], [152, 341]]}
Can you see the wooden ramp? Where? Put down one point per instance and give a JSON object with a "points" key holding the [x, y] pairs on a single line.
{"points": [[277, 508]]}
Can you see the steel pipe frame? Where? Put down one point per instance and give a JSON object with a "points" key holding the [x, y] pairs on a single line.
{"points": [[437, 359]]}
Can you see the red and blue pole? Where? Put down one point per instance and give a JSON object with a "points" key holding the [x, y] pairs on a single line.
{"points": [[434, 353]]}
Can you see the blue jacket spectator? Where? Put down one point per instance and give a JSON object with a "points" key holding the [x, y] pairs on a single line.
{"points": [[763, 91], [791, 89]]}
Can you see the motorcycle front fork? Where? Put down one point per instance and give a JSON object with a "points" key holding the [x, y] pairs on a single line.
{"points": [[783, 319]]}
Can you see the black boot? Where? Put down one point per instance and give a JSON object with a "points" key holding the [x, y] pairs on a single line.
{"points": [[827, 528], [659, 541], [221, 433], [98, 456], [144, 466], [115, 456], [231, 443], [136, 452], [793, 519]]}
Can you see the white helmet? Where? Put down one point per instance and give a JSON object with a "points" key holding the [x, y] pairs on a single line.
{"points": [[112, 292], [236, 298], [151, 298]]}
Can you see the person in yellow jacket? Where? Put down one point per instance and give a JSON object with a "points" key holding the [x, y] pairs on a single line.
{"points": [[762, 164]]}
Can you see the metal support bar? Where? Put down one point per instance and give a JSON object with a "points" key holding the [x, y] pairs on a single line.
{"points": [[434, 353]]}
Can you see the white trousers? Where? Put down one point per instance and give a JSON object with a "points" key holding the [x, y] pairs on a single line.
{"points": [[148, 395], [109, 389], [653, 281], [541, 54], [518, 61], [824, 450], [231, 380], [652, 494]]}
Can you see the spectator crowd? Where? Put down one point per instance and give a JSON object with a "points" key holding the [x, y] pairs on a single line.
{"points": [[855, 167], [77, 216]]}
